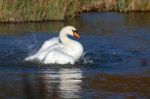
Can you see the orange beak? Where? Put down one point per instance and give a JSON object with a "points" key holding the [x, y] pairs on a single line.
{"points": [[76, 35]]}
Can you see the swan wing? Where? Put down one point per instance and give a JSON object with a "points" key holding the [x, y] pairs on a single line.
{"points": [[42, 53], [55, 54], [49, 43], [59, 57]]}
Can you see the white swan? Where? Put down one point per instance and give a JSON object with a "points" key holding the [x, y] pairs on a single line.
{"points": [[62, 50]]}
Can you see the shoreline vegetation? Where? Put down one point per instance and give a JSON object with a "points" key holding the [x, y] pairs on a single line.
{"points": [[53, 10]]}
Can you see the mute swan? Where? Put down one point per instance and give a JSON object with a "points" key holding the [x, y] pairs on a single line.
{"points": [[59, 50]]}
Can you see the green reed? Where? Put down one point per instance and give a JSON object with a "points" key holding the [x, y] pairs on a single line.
{"points": [[39, 10]]}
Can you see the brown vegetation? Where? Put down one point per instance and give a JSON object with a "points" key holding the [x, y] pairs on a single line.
{"points": [[39, 10]]}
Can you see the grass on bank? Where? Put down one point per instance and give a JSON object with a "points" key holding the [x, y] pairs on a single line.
{"points": [[39, 10]]}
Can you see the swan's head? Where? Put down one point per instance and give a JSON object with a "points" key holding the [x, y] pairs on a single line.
{"points": [[70, 30]]}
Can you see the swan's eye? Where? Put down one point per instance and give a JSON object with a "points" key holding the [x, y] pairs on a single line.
{"points": [[75, 34], [74, 31]]}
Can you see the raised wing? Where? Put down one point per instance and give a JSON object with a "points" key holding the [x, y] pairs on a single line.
{"points": [[49, 43]]}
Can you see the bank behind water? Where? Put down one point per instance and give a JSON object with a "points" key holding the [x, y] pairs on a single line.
{"points": [[40, 10]]}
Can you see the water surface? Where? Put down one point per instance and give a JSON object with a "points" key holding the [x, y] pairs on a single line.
{"points": [[116, 62]]}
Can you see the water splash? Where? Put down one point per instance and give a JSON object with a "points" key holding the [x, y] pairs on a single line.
{"points": [[105, 57]]}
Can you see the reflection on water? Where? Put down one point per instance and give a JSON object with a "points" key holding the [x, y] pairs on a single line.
{"points": [[66, 81], [40, 83], [118, 86], [18, 29], [88, 23], [70, 83], [116, 63]]}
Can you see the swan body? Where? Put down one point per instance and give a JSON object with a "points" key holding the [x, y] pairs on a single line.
{"points": [[59, 50]]}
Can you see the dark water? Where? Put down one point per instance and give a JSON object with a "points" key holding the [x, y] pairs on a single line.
{"points": [[116, 64]]}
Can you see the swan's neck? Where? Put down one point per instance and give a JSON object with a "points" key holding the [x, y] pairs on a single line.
{"points": [[76, 48], [65, 40]]}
